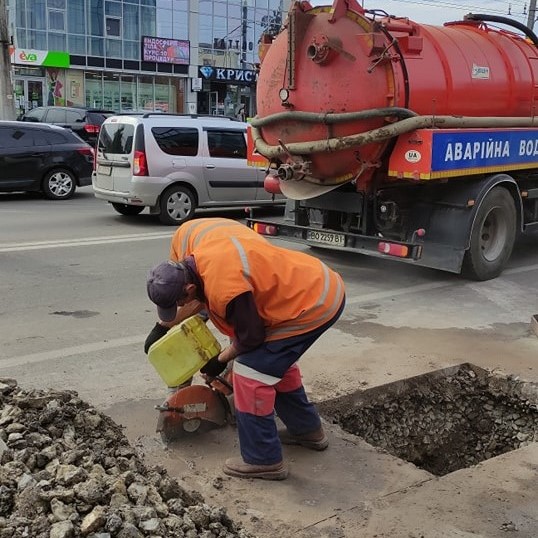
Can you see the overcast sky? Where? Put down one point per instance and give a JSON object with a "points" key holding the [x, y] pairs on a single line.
{"points": [[440, 11]]}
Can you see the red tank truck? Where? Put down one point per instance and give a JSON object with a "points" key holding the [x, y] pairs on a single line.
{"points": [[402, 140]]}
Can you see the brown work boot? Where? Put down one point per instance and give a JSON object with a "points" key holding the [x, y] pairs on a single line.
{"points": [[238, 468], [316, 440]]}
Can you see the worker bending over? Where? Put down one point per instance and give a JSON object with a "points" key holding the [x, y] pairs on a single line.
{"points": [[274, 304]]}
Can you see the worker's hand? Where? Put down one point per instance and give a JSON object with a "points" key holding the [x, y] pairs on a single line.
{"points": [[213, 368], [156, 334]]}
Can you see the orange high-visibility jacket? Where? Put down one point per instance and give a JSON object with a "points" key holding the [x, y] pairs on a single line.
{"points": [[294, 293]]}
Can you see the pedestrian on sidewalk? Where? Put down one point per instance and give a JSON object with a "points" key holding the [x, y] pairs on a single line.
{"points": [[274, 304]]}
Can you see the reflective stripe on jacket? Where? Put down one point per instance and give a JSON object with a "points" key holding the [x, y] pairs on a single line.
{"points": [[191, 233], [294, 293]]}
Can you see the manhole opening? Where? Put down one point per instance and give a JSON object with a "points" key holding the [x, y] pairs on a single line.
{"points": [[444, 420]]}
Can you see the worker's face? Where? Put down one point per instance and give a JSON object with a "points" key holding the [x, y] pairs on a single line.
{"points": [[188, 296]]}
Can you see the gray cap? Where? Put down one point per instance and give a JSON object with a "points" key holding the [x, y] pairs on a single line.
{"points": [[165, 284]]}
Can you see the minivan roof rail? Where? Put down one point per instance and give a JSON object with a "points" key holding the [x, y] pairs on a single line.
{"points": [[194, 116]]}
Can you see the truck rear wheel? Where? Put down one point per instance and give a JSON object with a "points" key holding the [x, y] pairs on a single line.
{"points": [[492, 236]]}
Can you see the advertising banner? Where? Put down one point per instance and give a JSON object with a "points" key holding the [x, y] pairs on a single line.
{"points": [[165, 51]]}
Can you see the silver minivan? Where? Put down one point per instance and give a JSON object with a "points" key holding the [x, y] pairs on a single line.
{"points": [[173, 164]]}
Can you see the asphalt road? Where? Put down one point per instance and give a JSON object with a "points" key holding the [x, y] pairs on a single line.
{"points": [[74, 311]]}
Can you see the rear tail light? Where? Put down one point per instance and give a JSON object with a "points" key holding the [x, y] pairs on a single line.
{"points": [[265, 229], [140, 164], [393, 249], [87, 152], [90, 128]]}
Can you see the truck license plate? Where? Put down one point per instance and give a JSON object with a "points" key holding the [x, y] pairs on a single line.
{"points": [[326, 238]]}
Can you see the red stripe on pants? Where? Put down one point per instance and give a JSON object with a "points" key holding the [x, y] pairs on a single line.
{"points": [[255, 397]]}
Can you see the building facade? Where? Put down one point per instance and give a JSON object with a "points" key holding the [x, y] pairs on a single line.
{"points": [[132, 55]]}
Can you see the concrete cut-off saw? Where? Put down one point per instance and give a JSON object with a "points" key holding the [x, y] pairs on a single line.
{"points": [[195, 409]]}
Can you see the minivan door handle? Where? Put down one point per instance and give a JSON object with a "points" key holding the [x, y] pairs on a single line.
{"points": [[210, 166]]}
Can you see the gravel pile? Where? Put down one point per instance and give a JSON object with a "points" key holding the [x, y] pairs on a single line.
{"points": [[67, 471]]}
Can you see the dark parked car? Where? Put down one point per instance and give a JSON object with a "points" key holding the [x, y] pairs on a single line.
{"points": [[43, 158], [85, 122]]}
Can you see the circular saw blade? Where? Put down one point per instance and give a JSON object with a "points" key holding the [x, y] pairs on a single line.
{"points": [[190, 410]]}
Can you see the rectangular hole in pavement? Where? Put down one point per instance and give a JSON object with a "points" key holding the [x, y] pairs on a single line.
{"points": [[445, 420]]}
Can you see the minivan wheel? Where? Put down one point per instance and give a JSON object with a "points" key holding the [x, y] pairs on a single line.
{"points": [[177, 205], [59, 184], [128, 210]]}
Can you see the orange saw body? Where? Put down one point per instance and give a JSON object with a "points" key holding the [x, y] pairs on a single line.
{"points": [[196, 409]]}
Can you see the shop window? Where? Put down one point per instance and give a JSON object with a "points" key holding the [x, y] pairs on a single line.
{"points": [[128, 93], [177, 141], [227, 144], [162, 94], [145, 93], [94, 90], [111, 91], [113, 27]]}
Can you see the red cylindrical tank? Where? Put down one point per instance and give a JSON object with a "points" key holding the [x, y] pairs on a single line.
{"points": [[331, 60]]}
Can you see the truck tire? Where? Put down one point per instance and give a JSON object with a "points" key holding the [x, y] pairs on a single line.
{"points": [[177, 205], [492, 237]]}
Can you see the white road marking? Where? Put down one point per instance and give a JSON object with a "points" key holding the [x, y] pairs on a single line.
{"points": [[60, 243], [71, 351]]}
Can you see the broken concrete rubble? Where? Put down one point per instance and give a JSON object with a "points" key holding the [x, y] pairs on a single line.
{"points": [[67, 471]]}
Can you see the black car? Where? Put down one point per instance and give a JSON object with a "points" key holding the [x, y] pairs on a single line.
{"points": [[85, 122], [43, 158]]}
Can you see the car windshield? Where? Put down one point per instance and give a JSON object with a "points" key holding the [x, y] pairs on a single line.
{"points": [[116, 138]]}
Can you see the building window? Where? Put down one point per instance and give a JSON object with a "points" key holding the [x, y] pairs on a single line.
{"points": [[113, 27], [57, 20], [56, 4]]}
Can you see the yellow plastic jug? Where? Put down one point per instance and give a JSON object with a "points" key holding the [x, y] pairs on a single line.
{"points": [[183, 350]]}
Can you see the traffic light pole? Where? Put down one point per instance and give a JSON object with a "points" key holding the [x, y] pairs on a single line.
{"points": [[7, 102]]}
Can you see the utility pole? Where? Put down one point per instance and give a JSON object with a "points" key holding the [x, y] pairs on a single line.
{"points": [[532, 14], [7, 102]]}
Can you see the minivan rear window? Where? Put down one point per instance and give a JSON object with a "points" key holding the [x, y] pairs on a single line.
{"points": [[177, 140], [116, 138]]}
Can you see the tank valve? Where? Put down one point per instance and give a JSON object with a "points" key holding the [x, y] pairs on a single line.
{"points": [[288, 172], [319, 50]]}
